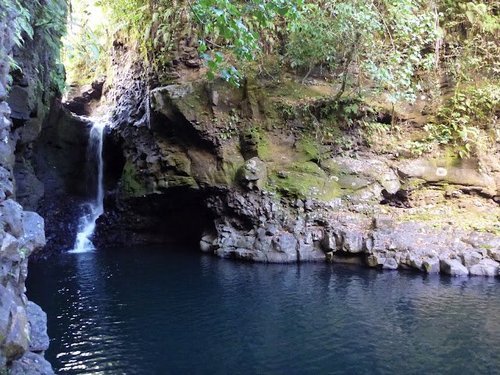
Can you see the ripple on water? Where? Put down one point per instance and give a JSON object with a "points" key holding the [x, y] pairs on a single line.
{"points": [[156, 311]]}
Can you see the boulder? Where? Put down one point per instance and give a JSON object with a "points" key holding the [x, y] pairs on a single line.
{"points": [[34, 231], [375, 260], [208, 243], [364, 172], [390, 264], [494, 254], [17, 341], [309, 253], [453, 267], [471, 258], [329, 242], [431, 265], [465, 172], [37, 319], [486, 267], [253, 175], [353, 242]]}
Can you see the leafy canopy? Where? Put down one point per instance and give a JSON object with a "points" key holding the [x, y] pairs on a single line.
{"points": [[387, 40]]}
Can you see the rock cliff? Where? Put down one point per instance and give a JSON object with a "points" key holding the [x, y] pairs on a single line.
{"points": [[26, 92], [276, 171]]}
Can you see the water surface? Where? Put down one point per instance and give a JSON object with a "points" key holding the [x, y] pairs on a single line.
{"points": [[174, 311]]}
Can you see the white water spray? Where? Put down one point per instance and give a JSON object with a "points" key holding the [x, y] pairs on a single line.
{"points": [[93, 209]]}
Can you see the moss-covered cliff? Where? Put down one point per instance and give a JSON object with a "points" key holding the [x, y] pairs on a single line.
{"points": [[282, 171]]}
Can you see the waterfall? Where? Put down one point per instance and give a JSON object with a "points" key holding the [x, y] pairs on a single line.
{"points": [[95, 208]]}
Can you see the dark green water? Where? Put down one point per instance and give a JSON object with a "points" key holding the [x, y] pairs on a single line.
{"points": [[173, 311]]}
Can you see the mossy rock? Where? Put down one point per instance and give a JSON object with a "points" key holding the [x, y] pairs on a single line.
{"points": [[174, 181], [309, 149], [227, 175], [130, 182], [305, 180], [180, 162]]}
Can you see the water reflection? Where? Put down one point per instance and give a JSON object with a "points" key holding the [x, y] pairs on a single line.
{"points": [[161, 311]]}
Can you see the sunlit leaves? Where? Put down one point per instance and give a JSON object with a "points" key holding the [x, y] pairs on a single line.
{"points": [[236, 26], [383, 41]]}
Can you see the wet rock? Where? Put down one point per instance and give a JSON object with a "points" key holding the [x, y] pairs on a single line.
{"points": [[21, 102], [375, 260], [243, 254], [80, 99], [346, 259], [390, 264], [485, 267], [415, 262], [431, 265], [453, 267], [31, 364], [329, 242], [37, 318], [208, 243], [309, 253]]}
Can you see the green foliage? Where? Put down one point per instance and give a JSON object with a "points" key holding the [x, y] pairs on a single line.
{"points": [[42, 24], [21, 29], [237, 27], [153, 26], [49, 27], [85, 47], [472, 38], [459, 121], [466, 121], [383, 41]]}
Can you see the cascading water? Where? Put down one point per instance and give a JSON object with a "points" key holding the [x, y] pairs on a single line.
{"points": [[95, 208]]}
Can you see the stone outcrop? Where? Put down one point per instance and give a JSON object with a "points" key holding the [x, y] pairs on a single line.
{"points": [[267, 193]]}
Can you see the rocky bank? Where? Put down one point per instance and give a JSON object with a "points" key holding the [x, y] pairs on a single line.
{"points": [[276, 171], [273, 171]]}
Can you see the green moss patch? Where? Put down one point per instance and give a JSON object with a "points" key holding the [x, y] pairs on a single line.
{"points": [[131, 184], [304, 180]]}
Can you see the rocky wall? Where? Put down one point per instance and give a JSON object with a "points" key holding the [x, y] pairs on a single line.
{"points": [[249, 161], [23, 106]]}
